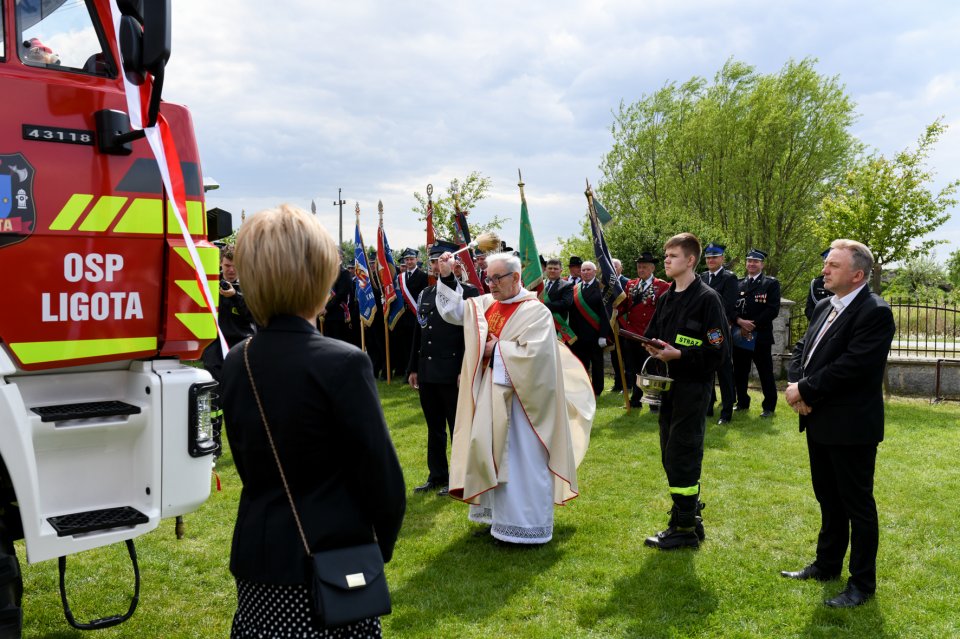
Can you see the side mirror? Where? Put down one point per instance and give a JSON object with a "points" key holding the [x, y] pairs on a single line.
{"points": [[144, 48], [156, 35]]}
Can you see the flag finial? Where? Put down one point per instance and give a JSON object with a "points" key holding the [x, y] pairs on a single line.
{"points": [[429, 191], [380, 207], [357, 210]]}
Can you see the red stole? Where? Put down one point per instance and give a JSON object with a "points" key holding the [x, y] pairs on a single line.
{"points": [[497, 315]]}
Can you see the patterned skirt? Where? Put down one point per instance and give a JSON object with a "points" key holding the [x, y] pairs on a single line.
{"points": [[266, 611]]}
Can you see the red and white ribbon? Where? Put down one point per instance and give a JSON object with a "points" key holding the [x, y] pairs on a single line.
{"points": [[162, 144]]}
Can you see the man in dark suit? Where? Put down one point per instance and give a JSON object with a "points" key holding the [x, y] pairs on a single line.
{"points": [[558, 291], [836, 386], [724, 282], [573, 266], [434, 366], [589, 322], [758, 305]]}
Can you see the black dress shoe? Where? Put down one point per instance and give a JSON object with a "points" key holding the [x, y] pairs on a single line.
{"points": [[427, 485], [723, 420], [849, 597], [444, 492], [810, 572], [738, 408], [766, 414]]}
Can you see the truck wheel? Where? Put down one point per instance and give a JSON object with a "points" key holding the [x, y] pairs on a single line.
{"points": [[11, 589]]}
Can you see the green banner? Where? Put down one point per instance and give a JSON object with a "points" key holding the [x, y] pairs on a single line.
{"points": [[532, 273]]}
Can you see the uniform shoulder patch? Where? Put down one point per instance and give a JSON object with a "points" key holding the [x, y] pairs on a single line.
{"points": [[715, 336]]}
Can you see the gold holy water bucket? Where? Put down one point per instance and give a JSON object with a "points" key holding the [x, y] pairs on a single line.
{"points": [[653, 385]]}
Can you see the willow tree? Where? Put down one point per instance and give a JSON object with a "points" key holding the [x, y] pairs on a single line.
{"points": [[746, 159]]}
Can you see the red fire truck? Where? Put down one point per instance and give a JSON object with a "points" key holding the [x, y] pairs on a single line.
{"points": [[103, 431]]}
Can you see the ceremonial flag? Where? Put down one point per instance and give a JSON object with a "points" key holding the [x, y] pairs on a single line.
{"points": [[612, 290], [602, 214], [366, 298], [392, 304], [531, 273], [463, 238]]}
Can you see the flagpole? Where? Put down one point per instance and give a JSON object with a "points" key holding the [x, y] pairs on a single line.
{"points": [[386, 314], [363, 249], [614, 326], [431, 237]]}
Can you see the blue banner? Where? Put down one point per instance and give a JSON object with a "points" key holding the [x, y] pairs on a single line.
{"points": [[612, 290], [366, 298]]}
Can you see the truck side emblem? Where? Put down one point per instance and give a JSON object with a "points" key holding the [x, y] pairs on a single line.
{"points": [[18, 214]]}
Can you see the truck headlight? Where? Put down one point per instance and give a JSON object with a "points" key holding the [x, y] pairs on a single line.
{"points": [[204, 419]]}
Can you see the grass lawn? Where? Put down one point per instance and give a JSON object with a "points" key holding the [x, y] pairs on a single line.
{"points": [[596, 579]]}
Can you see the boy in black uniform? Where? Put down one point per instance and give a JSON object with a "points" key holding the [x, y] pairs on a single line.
{"points": [[690, 332], [434, 365]]}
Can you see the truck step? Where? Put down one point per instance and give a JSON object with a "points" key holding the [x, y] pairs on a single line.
{"points": [[85, 410], [93, 520]]}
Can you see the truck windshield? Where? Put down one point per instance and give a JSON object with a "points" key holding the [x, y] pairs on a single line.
{"points": [[60, 34]]}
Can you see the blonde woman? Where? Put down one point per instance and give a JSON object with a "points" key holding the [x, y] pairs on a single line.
{"points": [[321, 404]]}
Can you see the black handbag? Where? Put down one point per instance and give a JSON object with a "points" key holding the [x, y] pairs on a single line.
{"points": [[346, 584]]}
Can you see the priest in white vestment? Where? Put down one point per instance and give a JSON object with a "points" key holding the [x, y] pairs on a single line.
{"points": [[524, 409]]}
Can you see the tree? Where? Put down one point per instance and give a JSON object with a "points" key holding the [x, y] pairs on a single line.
{"points": [[920, 278], [888, 205], [953, 268], [471, 190], [745, 160]]}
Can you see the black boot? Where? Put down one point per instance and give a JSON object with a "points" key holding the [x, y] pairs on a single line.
{"points": [[681, 531], [698, 528]]}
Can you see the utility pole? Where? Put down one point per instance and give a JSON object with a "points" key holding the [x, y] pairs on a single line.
{"points": [[340, 202]]}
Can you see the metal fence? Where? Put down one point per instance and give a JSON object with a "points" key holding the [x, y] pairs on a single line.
{"points": [[924, 329]]}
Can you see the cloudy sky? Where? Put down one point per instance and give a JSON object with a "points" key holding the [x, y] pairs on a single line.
{"points": [[297, 100]]}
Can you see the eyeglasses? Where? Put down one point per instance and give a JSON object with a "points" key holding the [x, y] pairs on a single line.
{"points": [[490, 279]]}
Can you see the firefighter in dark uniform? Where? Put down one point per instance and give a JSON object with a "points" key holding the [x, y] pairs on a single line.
{"points": [[817, 291], [410, 281], [691, 331], [433, 369], [235, 320], [758, 304], [724, 282]]}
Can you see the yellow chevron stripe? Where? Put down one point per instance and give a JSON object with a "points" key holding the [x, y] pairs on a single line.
{"points": [[40, 352], [71, 212], [201, 325], [144, 215], [191, 288], [209, 257], [195, 215], [103, 213]]}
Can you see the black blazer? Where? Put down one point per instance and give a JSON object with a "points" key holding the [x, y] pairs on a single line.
{"points": [[581, 327], [560, 299], [843, 381], [325, 416], [726, 285], [759, 302]]}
